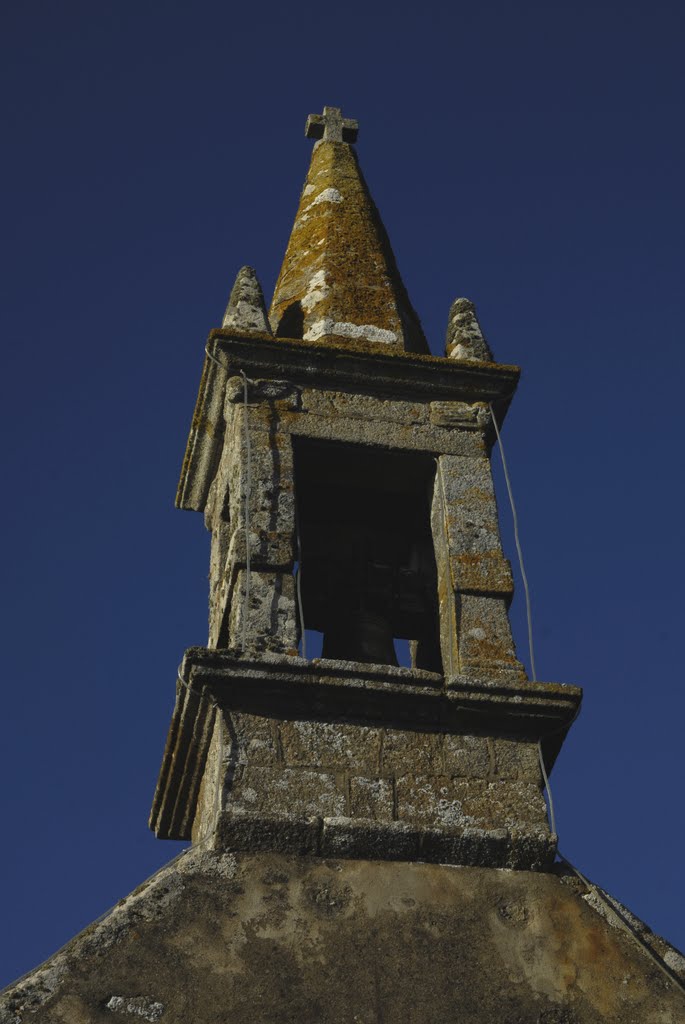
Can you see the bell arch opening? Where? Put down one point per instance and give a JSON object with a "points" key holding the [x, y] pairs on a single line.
{"points": [[367, 566]]}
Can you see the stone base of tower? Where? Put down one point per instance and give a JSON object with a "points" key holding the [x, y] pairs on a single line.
{"points": [[342, 759], [258, 937]]}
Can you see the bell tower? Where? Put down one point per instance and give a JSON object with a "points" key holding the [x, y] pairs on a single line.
{"points": [[344, 473], [346, 812]]}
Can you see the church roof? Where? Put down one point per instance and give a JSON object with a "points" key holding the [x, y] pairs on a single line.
{"points": [[339, 278]]}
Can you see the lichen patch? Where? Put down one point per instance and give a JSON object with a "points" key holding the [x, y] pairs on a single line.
{"points": [[136, 1006], [327, 325]]}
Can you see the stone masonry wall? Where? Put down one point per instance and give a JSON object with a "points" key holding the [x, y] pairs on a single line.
{"points": [[272, 767]]}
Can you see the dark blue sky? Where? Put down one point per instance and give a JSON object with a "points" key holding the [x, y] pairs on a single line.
{"points": [[529, 156]]}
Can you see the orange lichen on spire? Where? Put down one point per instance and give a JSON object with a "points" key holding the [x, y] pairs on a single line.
{"points": [[339, 278]]}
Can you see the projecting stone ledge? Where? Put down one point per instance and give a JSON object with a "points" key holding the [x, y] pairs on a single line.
{"points": [[333, 758], [367, 839]]}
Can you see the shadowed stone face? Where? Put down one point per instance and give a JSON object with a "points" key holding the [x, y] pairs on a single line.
{"points": [[264, 937]]}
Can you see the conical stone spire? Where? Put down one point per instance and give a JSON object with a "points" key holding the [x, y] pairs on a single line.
{"points": [[339, 278]]}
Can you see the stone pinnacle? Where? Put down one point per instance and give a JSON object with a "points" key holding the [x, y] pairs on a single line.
{"points": [[245, 310], [465, 338]]}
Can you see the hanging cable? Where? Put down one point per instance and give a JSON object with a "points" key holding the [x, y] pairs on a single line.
{"points": [[517, 541], [608, 902], [601, 896], [529, 616]]}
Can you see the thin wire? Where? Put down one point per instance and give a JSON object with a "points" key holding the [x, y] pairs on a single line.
{"points": [[601, 896], [529, 616], [517, 541], [248, 489], [604, 899], [214, 359]]}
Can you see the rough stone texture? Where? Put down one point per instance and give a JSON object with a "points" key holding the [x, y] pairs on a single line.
{"points": [[516, 760], [266, 937], [475, 583], [266, 608], [299, 743], [464, 335], [372, 798], [245, 309], [297, 791], [254, 476], [288, 771], [333, 745], [339, 277]]}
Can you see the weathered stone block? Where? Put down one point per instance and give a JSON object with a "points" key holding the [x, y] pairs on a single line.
{"points": [[506, 804], [335, 745], [415, 436], [262, 391], [487, 572], [472, 846], [407, 752], [271, 611], [272, 549], [369, 840], [368, 407], [517, 760], [287, 791], [371, 798], [432, 800], [466, 756], [531, 849], [469, 505], [484, 640], [284, 833], [252, 739], [439, 800], [462, 415]]}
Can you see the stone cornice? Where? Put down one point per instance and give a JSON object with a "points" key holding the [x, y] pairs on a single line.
{"points": [[370, 368], [360, 367]]}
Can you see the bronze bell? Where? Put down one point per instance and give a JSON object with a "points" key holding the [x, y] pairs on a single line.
{"points": [[361, 636]]}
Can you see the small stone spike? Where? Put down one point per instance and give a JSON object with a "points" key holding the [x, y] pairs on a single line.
{"points": [[464, 337], [245, 310]]}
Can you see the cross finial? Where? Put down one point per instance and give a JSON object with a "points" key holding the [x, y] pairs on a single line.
{"points": [[331, 126]]}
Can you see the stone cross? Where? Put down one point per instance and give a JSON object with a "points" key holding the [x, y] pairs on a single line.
{"points": [[331, 126]]}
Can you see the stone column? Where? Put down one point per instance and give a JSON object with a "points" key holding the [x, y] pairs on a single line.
{"points": [[474, 578], [256, 606]]}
